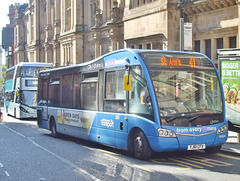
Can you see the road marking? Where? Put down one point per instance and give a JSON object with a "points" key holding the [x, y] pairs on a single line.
{"points": [[173, 163], [1, 165], [14, 131], [186, 163], [207, 161], [196, 161], [226, 156], [7, 173], [190, 162], [108, 155], [143, 168], [55, 155]]}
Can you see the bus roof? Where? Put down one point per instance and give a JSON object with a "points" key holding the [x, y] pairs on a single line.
{"points": [[32, 64], [135, 53]]}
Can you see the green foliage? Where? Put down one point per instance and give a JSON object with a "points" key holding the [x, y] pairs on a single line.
{"points": [[3, 76]]}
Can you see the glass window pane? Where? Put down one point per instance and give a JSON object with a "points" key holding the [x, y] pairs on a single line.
{"points": [[76, 91], [29, 98], [89, 96], [114, 85], [66, 93], [45, 86], [54, 92], [139, 89]]}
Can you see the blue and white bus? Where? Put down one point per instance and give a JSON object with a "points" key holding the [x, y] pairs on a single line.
{"points": [[21, 89], [137, 100]]}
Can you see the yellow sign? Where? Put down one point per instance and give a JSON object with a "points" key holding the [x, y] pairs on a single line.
{"points": [[127, 82]]}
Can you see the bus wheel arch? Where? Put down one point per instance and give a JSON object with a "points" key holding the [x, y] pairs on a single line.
{"points": [[138, 144], [53, 127]]}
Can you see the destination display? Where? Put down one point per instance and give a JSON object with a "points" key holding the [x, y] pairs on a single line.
{"points": [[177, 62]]}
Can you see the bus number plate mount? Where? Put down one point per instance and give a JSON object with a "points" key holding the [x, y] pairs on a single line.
{"points": [[196, 147]]}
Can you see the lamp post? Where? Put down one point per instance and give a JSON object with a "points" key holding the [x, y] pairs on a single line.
{"points": [[181, 27]]}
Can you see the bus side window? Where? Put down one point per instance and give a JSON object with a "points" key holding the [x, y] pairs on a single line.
{"points": [[114, 92], [89, 91], [66, 91], [76, 90], [54, 92]]}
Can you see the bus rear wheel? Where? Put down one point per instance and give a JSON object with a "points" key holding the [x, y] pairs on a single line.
{"points": [[141, 148], [54, 129]]}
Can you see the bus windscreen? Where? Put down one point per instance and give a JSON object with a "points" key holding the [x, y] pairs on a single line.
{"points": [[185, 85]]}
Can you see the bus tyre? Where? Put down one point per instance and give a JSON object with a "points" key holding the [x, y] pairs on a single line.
{"points": [[214, 149], [141, 148], [54, 129]]}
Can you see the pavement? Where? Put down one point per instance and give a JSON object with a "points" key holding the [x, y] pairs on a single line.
{"points": [[232, 144]]}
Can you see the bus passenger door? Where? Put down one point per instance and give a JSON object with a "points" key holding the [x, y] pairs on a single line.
{"points": [[43, 104]]}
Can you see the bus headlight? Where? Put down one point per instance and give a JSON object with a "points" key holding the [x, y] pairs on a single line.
{"points": [[166, 133], [23, 110], [222, 129]]}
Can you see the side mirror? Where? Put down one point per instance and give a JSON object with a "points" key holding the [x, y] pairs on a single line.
{"points": [[127, 82]]}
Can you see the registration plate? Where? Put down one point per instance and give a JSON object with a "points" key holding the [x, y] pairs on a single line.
{"points": [[196, 147]]}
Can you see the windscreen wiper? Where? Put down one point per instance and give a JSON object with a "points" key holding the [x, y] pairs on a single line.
{"points": [[174, 117], [190, 120]]}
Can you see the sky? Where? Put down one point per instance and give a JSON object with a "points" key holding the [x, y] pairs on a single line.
{"points": [[4, 19]]}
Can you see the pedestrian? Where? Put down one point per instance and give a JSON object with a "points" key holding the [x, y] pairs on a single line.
{"points": [[1, 115]]}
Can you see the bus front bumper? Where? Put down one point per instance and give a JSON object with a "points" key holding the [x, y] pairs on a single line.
{"points": [[182, 142]]}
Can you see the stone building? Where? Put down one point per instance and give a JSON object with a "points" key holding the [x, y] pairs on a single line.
{"points": [[216, 24], [74, 31]]}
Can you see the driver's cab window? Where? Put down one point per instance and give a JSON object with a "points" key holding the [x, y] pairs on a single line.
{"points": [[139, 97]]}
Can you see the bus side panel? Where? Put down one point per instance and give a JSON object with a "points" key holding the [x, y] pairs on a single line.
{"points": [[75, 123], [105, 128], [150, 129]]}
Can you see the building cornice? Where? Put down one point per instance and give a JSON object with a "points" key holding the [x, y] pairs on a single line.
{"points": [[191, 7]]}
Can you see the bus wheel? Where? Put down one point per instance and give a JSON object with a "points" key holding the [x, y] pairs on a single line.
{"points": [[141, 148], [214, 149], [53, 129]]}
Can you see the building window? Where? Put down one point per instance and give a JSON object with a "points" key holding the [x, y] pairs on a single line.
{"points": [[68, 17], [32, 28], [140, 46], [137, 3], [233, 42], [219, 43], [208, 48], [149, 47], [93, 12], [197, 46]]}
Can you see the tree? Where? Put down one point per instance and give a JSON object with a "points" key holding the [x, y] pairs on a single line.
{"points": [[2, 78]]}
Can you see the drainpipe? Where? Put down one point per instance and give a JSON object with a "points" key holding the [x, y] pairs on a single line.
{"points": [[83, 31], [181, 29], [39, 34]]}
